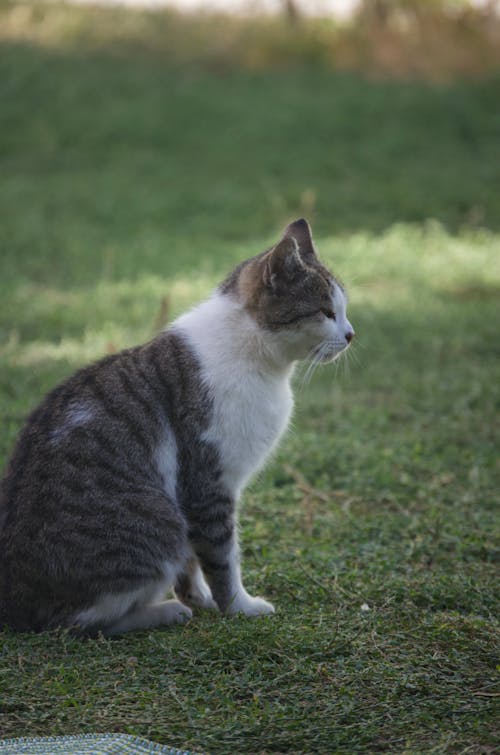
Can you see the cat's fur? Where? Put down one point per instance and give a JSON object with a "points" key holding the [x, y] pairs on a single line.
{"points": [[125, 479]]}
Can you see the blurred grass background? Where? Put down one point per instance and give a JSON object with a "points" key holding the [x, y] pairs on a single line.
{"points": [[142, 154]]}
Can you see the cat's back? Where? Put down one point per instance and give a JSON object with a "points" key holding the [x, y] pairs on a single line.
{"points": [[99, 429], [85, 409]]}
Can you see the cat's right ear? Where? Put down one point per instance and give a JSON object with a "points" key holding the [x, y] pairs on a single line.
{"points": [[300, 230], [281, 264]]}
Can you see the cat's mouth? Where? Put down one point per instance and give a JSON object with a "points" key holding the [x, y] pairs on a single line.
{"points": [[327, 352]]}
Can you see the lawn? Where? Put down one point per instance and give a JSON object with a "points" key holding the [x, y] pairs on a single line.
{"points": [[131, 182]]}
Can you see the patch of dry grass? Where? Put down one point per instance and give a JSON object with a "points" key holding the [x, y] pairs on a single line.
{"points": [[422, 40]]}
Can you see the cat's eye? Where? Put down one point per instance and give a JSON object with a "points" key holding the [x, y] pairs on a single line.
{"points": [[328, 313]]}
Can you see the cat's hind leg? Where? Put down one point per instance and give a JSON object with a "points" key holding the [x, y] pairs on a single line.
{"points": [[150, 616], [191, 586], [136, 560], [142, 608]]}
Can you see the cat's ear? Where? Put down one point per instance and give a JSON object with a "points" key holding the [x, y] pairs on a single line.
{"points": [[282, 263], [300, 230]]}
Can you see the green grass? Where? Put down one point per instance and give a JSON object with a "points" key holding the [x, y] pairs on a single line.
{"points": [[130, 185]]}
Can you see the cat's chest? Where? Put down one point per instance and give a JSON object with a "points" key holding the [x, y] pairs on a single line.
{"points": [[249, 416]]}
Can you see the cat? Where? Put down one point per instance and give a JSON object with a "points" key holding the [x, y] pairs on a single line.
{"points": [[124, 481]]}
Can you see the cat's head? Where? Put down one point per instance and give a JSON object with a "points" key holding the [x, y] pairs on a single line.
{"points": [[296, 301]]}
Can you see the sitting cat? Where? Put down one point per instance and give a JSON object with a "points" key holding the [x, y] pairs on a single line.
{"points": [[124, 481]]}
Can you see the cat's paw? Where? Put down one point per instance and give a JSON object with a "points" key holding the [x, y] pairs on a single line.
{"points": [[195, 592], [200, 599], [250, 606], [173, 612]]}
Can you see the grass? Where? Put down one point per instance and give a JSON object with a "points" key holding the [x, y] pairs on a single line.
{"points": [[130, 185]]}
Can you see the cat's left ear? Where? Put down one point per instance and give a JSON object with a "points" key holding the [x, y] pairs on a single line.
{"points": [[300, 230]]}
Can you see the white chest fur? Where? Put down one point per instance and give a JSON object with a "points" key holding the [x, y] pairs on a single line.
{"points": [[252, 403], [250, 415]]}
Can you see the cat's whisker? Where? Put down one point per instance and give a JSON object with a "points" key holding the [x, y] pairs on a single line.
{"points": [[347, 356], [311, 368], [302, 373], [353, 355], [316, 359], [340, 362], [360, 344], [337, 363], [346, 366]]}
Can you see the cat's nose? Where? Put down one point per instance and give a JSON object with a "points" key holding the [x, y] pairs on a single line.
{"points": [[349, 336]]}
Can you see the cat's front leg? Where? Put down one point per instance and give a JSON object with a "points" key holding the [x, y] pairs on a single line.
{"points": [[218, 554], [224, 578]]}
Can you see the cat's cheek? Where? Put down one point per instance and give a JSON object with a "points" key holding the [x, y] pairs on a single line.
{"points": [[321, 329], [329, 330], [301, 342]]}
